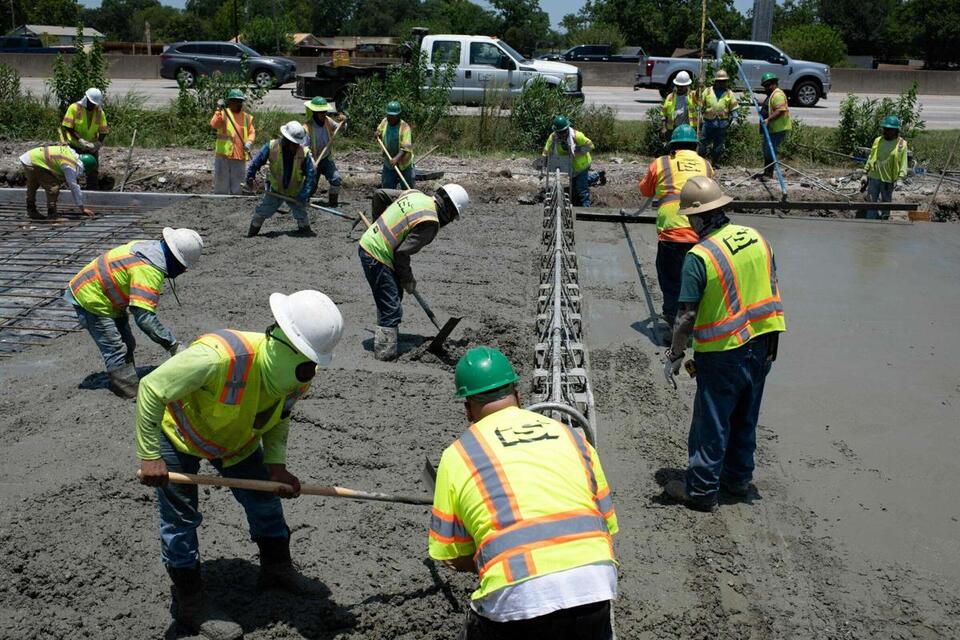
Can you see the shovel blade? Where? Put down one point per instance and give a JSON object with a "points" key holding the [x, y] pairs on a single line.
{"points": [[429, 474], [436, 345]]}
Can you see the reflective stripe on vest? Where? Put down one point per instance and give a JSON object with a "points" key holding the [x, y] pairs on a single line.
{"points": [[102, 271], [230, 131], [448, 529], [394, 235], [276, 170], [388, 232], [241, 359], [189, 433], [52, 158]]}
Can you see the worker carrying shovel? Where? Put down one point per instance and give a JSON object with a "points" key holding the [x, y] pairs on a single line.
{"points": [[291, 177], [522, 500], [322, 129], [228, 399], [403, 229], [395, 138], [235, 136], [130, 277]]}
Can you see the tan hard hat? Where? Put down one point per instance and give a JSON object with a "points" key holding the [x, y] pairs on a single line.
{"points": [[701, 195], [722, 75]]}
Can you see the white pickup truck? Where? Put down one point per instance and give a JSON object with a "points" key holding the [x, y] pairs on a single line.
{"points": [[805, 83]]}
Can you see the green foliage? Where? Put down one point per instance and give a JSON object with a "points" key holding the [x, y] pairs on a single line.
{"points": [[534, 110], [816, 42], [21, 116], [268, 37], [85, 70], [600, 125], [524, 23], [929, 29], [862, 25], [597, 34], [860, 118]]}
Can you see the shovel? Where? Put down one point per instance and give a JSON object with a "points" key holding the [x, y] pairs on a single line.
{"points": [[436, 345]]}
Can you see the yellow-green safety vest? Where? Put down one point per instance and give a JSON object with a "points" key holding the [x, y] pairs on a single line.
{"points": [[669, 109], [217, 421], [779, 98], [673, 171], [315, 147], [741, 299], [406, 141], [892, 166], [88, 129], [714, 109], [578, 144], [383, 237], [115, 280], [53, 158], [276, 170], [232, 128], [526, 496]]}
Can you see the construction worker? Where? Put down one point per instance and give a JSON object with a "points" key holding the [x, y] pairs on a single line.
{"points": [[235, 136], [47, 167], [664, 179], [567, 141], [397, 137], [84, 128], [719, 106], [404, 228], [522, 500], [292, 175], [130, 277], [730, 304], [679, 107], [321, 128], [228, 399], [886, 165], [775, 112]]}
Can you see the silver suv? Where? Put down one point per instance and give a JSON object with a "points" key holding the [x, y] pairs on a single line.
{"points": [[191, 59]]}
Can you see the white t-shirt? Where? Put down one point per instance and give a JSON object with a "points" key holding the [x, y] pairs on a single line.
{"points": [[69, 175], [545, 594]]}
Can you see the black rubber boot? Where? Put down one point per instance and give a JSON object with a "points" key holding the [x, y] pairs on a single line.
{"points": [[602, 180], [192, 611], [253, 230], [33, 213], [51, 212], [333, 200], [277, 570], [124, 381], [304, 231]]}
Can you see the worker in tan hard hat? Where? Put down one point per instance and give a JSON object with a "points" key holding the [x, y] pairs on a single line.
{"points": [[228, 399], [720, 105], [730, 305]]}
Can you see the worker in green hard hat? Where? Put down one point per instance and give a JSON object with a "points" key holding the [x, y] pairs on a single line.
{"points": [[397, 137], [886, 166], [567, 141], [235, 136], [47, 167], [522, 501], [322, 126], [775, 112]]}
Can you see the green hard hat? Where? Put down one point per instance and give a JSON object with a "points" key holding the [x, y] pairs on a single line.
{"points": [[560, 123], [393, 108], [318, 104], [482, 369], [684, 133], [768, 76], [235, 94], [89, 163], [891, 122]]}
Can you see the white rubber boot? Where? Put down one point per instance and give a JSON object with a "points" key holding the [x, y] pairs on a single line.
{"points": [[385, 343]]}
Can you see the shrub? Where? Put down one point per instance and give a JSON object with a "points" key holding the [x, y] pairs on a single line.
{"points": [[70, 81], [860, 118], [599, 123], [815, 41], [195, 105], [21, 115], [534, 109]]}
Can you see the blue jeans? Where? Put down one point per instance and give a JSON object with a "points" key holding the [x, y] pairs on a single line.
{"points": [[179, 505], [777, 139], [328, 169], [713, 139], [581, 187], [387, 292], [390, 180], [269, 205], [879, 191], [670, 257], [112, 336], [723, 432]]}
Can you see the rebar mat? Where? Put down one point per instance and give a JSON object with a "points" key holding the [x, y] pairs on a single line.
{"points": [[38, 258]]}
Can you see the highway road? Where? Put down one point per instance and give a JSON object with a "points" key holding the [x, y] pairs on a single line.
{"points": [[939, 112]]}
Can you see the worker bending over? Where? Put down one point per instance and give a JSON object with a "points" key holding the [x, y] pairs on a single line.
{"points": [[84, 128], [228, 399], [775, 112], [522, 501], [665, 178], [730, 303], [235, 136], [679, 107], [322, 129], [567, 141], [48, 167], [404, 228], [291, 175], [719, 107], [397, 137], [886, 165], [131, 277]]}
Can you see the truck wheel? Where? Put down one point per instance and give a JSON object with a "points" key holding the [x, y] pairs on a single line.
{"points": [[806, 93], [187, 75], [263, 79]]}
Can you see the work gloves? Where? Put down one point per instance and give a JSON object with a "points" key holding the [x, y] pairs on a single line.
{"points": [[176, 348], [409, 286], [221, 104], [248, 146], [671, 366]]}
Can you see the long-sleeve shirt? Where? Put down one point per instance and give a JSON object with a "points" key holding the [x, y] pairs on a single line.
{"points": [[419, 237], [234, 128], [68, 174], [309, 172], [888, 160]]}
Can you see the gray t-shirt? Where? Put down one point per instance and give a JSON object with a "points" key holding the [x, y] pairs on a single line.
{"points": [[682, 115]]}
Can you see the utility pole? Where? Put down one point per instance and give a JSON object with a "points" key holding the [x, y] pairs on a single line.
{"points": [[146, 36], [276, 34], [236, 25], [762, 20], [13, 19]]}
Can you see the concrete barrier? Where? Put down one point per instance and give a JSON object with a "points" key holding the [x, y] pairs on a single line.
{"points": [[118, 65], [930, 83]]}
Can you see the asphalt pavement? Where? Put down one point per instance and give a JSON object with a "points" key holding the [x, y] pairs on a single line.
{"points": [[939, 112]]}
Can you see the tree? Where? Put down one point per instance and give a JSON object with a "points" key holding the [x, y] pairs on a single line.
{"points": [[597, 34], [929, 28], [263, 35], [794, 13], [813, 41], [64, 12], [862, 25], [114, 18], [525, 24]]}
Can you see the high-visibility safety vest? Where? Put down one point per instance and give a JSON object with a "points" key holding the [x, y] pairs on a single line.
{"points": [[54, 158], [577, 143], [526, 495], [776, 100], [893, 165], [219, 420], [673, 171], [117, 279], [741, 299], [87, 123], [669, 109], [314, 131], [406, 142], [718, 108], [234, 131], [276, 170], [383, 237]]}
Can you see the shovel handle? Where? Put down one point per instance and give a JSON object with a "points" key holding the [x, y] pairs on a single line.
{"points": [[395, 167], [426, 308]]}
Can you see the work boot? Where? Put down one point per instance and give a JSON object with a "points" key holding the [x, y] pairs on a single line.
{"points": [[124, 381], [33, 213], [385, 343], [677, 490], [602, 178], [738, 489], [51, 211], [333, 199], [194, 613], [277, 570], [254, 229], [304, 231]]}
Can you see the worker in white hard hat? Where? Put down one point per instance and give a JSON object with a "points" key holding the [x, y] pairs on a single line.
{"points": [[679, 107], [84, 128], [397, 232], [290, 179], [130, 278], [228, 399]]}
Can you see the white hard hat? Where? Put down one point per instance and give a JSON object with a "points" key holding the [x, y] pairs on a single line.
{"points": [[312, 322], [457, 196], [682, 79], [294, 132], [94, 96], [185, 245]]}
